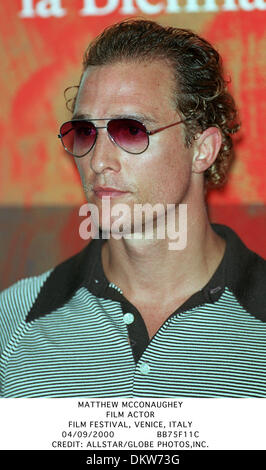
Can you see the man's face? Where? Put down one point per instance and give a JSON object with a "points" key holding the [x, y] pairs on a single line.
{"points": [[142, 91]]}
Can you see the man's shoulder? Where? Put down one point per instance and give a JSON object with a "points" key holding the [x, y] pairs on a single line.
{"points": [[20, 295], [245, 273], [15, 303], [72, 269], [251, 286], [51, 289], [249, 265]]}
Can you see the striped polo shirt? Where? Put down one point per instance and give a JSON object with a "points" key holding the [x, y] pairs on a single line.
{"points": [[69, 332]]}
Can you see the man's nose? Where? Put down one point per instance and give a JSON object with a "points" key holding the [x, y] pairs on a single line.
{"points": [[105, 154]]}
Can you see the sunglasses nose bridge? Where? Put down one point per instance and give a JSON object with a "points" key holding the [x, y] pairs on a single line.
{"points": [[102, 156], [111, 137], [110, 133], [100, 130]]}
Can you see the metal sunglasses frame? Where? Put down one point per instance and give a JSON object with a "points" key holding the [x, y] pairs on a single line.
{"points": [[149, 133]]}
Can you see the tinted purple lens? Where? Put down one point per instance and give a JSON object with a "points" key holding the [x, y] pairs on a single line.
{"points": [[78, 137], [129, 134]]}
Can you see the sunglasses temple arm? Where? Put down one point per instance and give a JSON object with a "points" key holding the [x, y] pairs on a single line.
{"points": [[165, 127]]}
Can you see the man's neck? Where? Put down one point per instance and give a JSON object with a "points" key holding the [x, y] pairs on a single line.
{"points": [[147, 271]]}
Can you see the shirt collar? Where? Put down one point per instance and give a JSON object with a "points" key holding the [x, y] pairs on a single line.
{"points": [[85, 270]]}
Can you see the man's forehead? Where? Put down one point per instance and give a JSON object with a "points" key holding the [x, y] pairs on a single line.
{"points": [[130, 75], [140, 89]]}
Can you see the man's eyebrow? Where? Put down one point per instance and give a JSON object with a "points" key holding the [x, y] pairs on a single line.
{"points": [[139, 116], [81, 116]]}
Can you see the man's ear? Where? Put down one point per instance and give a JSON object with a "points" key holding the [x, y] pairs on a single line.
{"points": [[206, 149]]}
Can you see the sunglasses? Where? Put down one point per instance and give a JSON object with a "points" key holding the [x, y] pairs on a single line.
{"points": [[79, 136]]}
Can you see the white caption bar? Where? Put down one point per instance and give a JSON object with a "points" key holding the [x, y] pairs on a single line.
{"points": [[98, 424]]}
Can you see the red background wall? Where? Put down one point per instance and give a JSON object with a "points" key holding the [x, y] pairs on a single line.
{"points": [[41, 49]]}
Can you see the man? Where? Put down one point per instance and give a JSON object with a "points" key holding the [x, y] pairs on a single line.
{"points": [[128, 316]]}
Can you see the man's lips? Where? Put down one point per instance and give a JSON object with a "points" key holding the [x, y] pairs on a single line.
{"points": [[101, 191]]}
